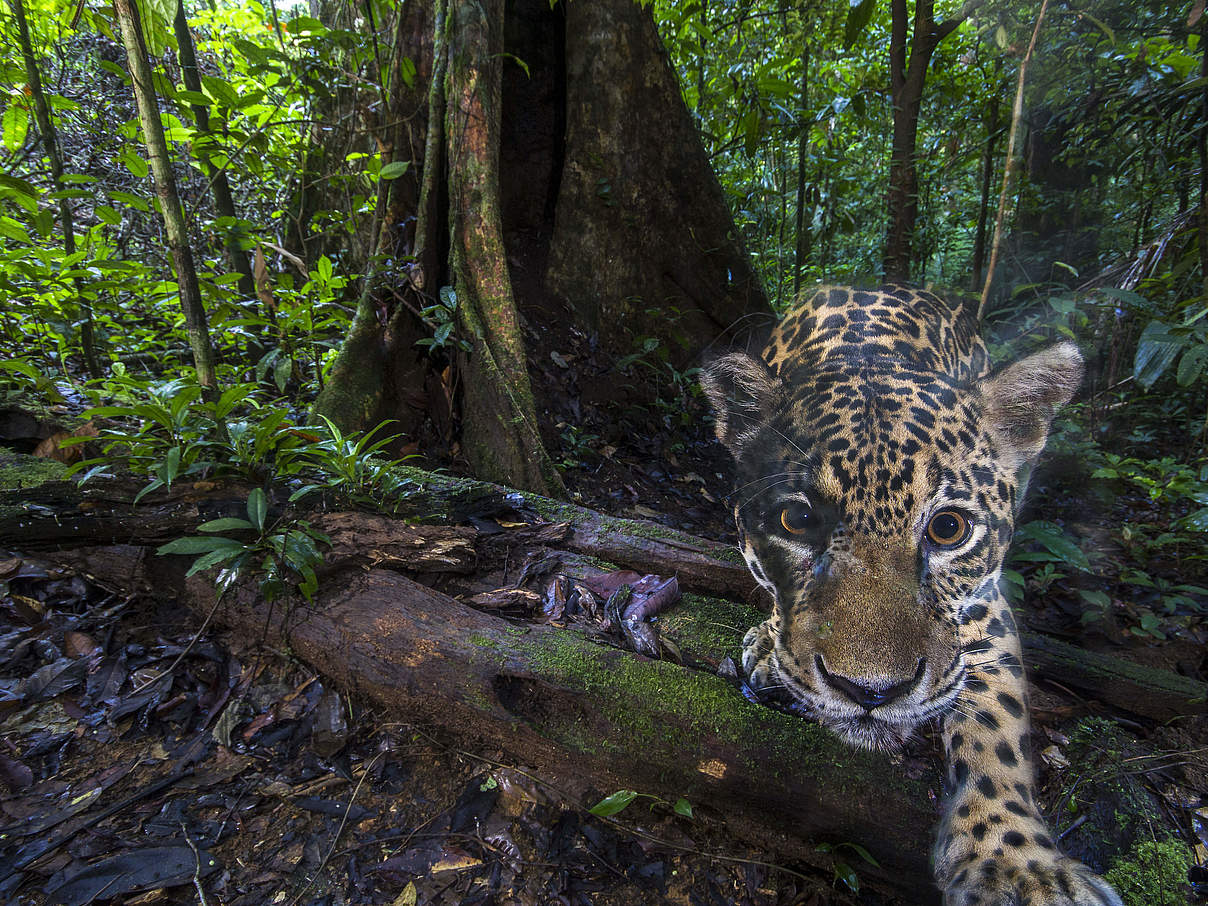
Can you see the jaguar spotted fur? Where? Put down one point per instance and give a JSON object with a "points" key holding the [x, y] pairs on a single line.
{"points": [[879, 464]]}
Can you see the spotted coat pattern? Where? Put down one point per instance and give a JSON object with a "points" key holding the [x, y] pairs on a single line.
{"points": [[878, 462]]}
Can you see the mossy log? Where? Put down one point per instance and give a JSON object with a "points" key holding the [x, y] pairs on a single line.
{"points": [[41, 510], [591, 718]]}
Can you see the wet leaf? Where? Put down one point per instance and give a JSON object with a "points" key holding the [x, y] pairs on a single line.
{"points": [[614, 804], [151, 868]]}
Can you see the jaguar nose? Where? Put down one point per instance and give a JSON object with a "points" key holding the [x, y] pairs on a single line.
{"points": [[865, 694]]}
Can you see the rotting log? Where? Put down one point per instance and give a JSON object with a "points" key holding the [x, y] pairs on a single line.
{"points": [[40, 510], [592, 718]]}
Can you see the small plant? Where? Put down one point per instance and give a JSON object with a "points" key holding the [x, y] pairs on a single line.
{"points": [[20, 380], [349, 469], [1047, 543], [282, 551], [578, 445], [441, 317], [620, 800], [169, 437], [843, 871]]}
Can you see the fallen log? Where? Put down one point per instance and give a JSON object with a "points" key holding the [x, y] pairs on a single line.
{"points": [[594, 718], [41, 510]]}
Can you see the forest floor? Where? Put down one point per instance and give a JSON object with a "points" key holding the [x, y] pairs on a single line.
{"points": [[294, 793]]}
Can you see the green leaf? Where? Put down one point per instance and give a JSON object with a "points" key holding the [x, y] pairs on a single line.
{"points": [[1130, 300], [135, 164], [257, 507], [1192, 365], [108, 215], [614, 804], [395, 169], [21, 191], [226, 524], [1197, 521], [213, 558], [1156, 350], [196, 544], [194, 97], [111, 67], [1052, 538], [133, 201], [11, 229], [683, 807], [1095, 598], [15, 124], [220, 91], [859, 14]]}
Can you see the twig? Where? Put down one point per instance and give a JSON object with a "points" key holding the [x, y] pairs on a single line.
{"points": [[201, 893], [339, 830], [1010, 166]]}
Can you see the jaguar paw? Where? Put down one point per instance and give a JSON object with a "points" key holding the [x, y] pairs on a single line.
{"points": [[759, 659]]}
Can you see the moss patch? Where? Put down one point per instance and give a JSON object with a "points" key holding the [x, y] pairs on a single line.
{"points": [[673, 712], [709, 628], [20, 472], [1153, 873]]}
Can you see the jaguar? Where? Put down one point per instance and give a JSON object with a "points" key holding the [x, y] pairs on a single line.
{"points": [[880, 464]]}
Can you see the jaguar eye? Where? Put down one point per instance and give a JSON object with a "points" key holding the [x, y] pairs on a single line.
{"points": [[947, 528], [796, 518]]}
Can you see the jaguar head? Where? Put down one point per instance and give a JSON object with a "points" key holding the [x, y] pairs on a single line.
{"points": [[876, 503]]}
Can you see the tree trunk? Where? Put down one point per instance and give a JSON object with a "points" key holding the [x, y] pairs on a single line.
{"points": [[642, 227], [224, 202], [500, 437], [908, 63], [196, 324], [50, 142], [804, 233], [575, 193]]}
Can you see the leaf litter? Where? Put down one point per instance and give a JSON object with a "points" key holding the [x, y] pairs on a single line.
{"points": [[235, 775]]}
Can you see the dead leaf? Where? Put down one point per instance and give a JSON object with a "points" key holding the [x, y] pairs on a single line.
{"points": [[264, 289], [79, 644]]}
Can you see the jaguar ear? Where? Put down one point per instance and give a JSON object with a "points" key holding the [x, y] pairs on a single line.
{"points": [[742, 391], [1022, 398]]}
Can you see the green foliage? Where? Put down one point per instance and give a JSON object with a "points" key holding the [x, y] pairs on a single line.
{"points": [[1154, 873], [441, 318], [281, 552], [843, 871], [617, 802], [578, 446], [346, 469]]}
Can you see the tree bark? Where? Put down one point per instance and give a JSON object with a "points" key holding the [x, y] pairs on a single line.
{"points": [[908, 63], [50, 142], [220, 185], [196, 325], [642, 227], [501, 438], [804, 233]]}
